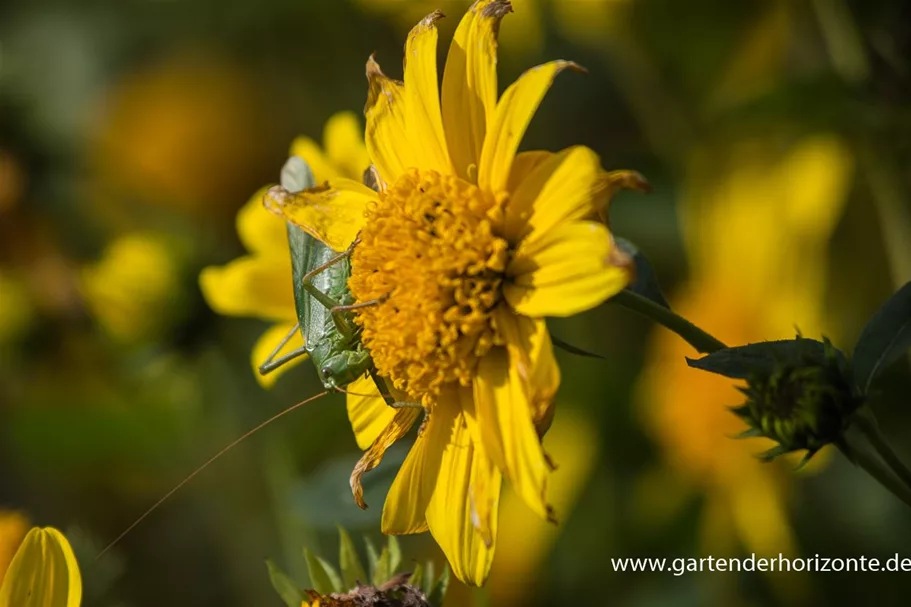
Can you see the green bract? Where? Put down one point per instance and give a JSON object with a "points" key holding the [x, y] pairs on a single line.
{"points": [[799, 392]]}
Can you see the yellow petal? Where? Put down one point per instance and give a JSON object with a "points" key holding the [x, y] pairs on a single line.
{"points": [[44, 573], [368, 412], [401, 423], [250, 286], [470, 83], [344, 141], [513, 114], [568, 270], [523, 165], [467, 485], [332, 213], [323, 168], [532, 355], [260, 231], [386, 135], [562, 187], [505, 419], [425, 124], [267, 342], [409, 495]]}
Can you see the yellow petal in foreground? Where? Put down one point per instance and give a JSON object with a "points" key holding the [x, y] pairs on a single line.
{"points": [[409, 495], [470, 83], [505, 422], [463, 470], [566, 271], [561, 187], [531, 353], [399, 426], [386, 135], [333, 214], [513, 114], [267, 343], [367, 411], [424, 122], [44, 573]]}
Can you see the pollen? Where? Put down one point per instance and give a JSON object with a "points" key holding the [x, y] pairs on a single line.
{"points": [[432, 262]]}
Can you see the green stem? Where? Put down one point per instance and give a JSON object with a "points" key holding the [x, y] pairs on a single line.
{"points": [[693, 335], [875, 468], [866, 423]]}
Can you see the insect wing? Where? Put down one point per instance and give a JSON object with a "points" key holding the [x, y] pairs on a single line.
{"points": [[308, 253]]}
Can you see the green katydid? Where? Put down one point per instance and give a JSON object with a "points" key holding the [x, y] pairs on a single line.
{"points": [[324, 303]]}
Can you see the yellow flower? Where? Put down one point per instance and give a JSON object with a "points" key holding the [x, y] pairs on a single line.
{"points": [[44, 573], [459, 256], [134, 289], [258, 284], [757, 231]]}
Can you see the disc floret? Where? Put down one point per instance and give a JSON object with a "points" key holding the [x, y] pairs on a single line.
{"points": [[431, 257]]}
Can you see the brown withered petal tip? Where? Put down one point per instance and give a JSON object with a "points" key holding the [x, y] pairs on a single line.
{"points": [[496, 9], [431, 18]]}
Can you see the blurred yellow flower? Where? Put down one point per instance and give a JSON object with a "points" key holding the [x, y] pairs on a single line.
{"points": [[187, 132], [134, 290], [43, 573], [756, 230], [259, 284], [13, 527], [459, 256]]}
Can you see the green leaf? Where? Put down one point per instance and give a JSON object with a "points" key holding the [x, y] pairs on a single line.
{"points": [[438, 592], [323, 576], [417, 576], [373, 560], [289, 591], [395, 554], [379, 563], [886, 336], [645, 282], [744, 362], [297, 176], [352, 569], [428, 577]]}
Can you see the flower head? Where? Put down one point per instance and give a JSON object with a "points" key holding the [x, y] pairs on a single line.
{"points": [[462, 251], [799, 392]]}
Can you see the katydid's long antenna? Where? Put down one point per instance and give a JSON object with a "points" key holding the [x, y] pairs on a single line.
{"points": [[209, 461]]}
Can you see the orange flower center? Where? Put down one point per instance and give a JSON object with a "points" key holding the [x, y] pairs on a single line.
{"points": [[430, 255]]}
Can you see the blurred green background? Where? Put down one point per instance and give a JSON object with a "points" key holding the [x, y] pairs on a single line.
{"points": [[776, 134]]}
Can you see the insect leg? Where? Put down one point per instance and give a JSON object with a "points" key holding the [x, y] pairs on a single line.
{"points": [[339, 312], [318, 295], [271, 363], [387, 395]]}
